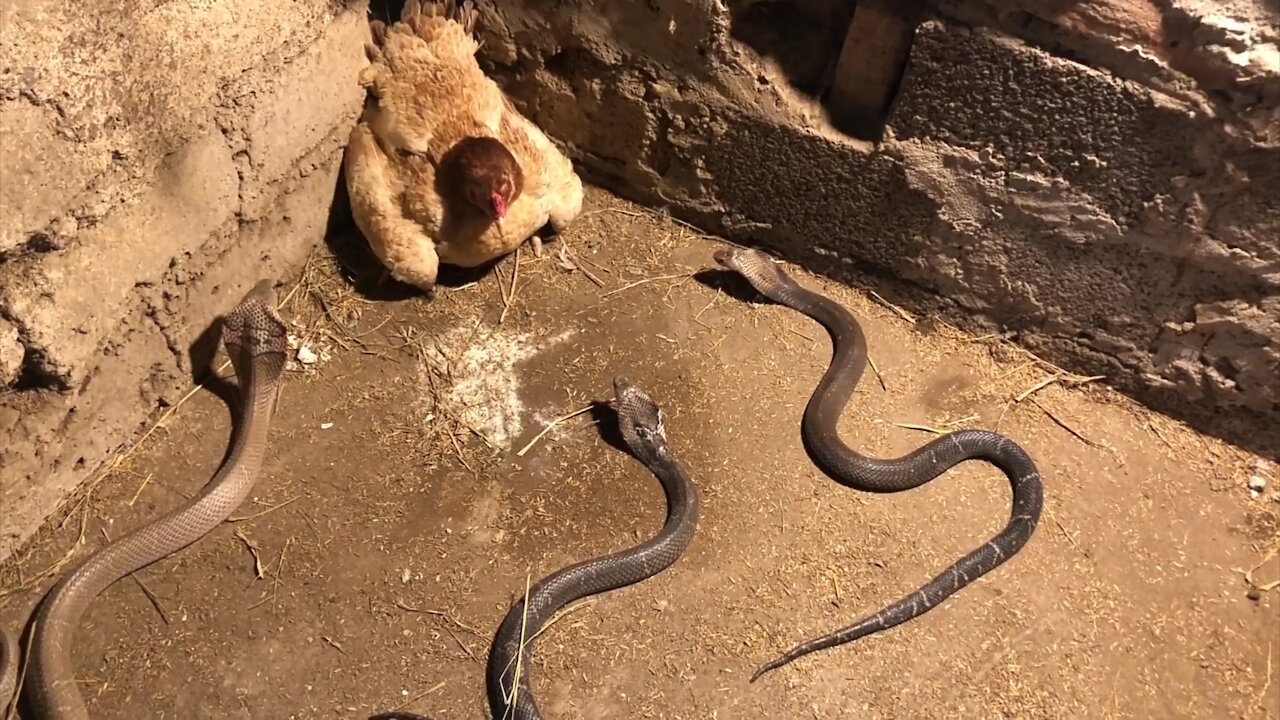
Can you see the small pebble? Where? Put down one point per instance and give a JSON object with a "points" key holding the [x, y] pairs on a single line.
{"points": [[1254, 594]]}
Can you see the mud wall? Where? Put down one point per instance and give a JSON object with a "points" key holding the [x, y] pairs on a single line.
{"points": [[1096, 179], [156, 160]]}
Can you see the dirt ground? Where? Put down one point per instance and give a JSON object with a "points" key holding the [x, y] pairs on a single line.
{"points": [[395, 520]]}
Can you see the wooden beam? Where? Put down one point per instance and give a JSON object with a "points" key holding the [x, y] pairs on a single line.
{"points": [[870, 66]]}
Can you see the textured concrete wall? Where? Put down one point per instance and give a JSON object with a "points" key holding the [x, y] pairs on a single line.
{"points": [[156, 161], [1098, 178]]}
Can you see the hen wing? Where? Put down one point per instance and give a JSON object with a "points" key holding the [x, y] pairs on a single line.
{"points": [[375, 187], [549, 175]]}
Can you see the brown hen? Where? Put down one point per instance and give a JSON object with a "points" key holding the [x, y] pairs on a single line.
{"points": [[442, 167]]}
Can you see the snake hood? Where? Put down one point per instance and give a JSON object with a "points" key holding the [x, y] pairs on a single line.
{"points": [[756, 267], [639, 418], [254, 326]]}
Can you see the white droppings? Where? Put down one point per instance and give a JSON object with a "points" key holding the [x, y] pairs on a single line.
{"points": [[1257, 482], [482, 388], [305, 357]]}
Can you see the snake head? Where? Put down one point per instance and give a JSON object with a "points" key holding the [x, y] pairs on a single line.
{"points": [[639, 418], [758, 269], [253, 329], [254, 326]]}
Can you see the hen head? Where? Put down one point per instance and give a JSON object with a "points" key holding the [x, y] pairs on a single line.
{"points": [[486, 172]]}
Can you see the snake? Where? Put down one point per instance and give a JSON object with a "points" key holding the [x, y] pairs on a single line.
{"points": [[507, 672], [852, 469], [256, 340]]}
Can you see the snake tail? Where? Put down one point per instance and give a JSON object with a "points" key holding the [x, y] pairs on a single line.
{"points": [[1027, 502]]}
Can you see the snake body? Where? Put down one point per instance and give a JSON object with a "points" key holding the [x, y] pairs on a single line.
{"points": [[256, 341], [846, 466], [507, 676], [255, 338]]}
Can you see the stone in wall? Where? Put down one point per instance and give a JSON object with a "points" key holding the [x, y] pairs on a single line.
{"points": [[1117, 226], [1107, 202], [1223, 55]]}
